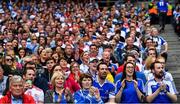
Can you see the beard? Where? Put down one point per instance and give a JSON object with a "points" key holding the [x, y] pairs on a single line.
{"points": [[103, 77], [159, 75]]}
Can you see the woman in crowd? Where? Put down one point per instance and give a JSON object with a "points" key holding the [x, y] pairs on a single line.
{"points": [[129, 89], [75, 71], [59, 94], [87, 93]]}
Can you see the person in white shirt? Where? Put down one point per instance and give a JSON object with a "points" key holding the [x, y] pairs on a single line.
{"points": [[35, 92]]}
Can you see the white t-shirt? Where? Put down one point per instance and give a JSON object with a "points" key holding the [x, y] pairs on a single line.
{"points": [[36, 93]]}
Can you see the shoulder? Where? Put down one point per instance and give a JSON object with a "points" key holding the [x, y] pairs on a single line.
{"points": [[28, 99], [4, 99], [37, 89]]}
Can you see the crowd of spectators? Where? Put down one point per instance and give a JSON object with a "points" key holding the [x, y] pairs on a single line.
{"points": [[76, 52]]}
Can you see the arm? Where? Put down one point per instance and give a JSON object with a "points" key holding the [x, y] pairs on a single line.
{"points": [[140, 95], [173, 97], [166, 47], [118, 95], [151, 97]]}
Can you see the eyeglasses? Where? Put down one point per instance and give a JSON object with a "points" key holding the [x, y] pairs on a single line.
{"points": [[104, 68], [129, 67]]}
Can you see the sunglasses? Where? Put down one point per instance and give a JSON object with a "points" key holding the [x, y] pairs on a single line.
{"points": [[9, 59]]}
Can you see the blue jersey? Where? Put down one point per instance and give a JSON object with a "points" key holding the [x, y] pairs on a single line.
{"points": [[162, 6], [129, 94], [106, 90], [139, 76], [152, 86], [83, 97]]}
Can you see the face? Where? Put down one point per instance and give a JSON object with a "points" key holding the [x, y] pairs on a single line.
{"points": [[130, 41], [55, 56], [50, 64], [9, 60], [63, 63], [129, 70], [131, 59], [103, 70], [9, 46], [57, 69], [152, 53], [22, 52], [106, 56], [68, 50], [30, 75], [85, 56], [43, 53], [162, 61], [93, 65], [17, 88], [59, 81], [86, 83], [158, 70], [93, 49], [75, 68]]}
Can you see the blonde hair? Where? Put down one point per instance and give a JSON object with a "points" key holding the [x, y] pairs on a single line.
{"points": [[56, 75], [149, 60]]}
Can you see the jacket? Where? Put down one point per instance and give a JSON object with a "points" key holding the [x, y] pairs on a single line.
{"points": [[25, 99]]}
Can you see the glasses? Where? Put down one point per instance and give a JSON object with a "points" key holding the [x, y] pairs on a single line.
{"points": [[104, 68], [34, 39], [9, 59], [130, 67]]}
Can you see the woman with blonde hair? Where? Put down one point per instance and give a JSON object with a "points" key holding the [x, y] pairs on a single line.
{"points": [[59, 94]]}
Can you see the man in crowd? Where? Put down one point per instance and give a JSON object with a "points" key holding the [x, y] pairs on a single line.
{"points": [[16, 93], [159, 90], [105, 87]]}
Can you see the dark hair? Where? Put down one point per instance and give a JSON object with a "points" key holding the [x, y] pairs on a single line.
{"points": [[50, 58], [31, 63], [84, 75], [24, 51], [93, 45], [26, 69], [153, 64], [101, 63], [124, 72], [153, 49], [129, 55]]}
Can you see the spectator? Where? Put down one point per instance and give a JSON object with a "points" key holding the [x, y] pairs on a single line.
{"points": [[30, 89], [87, 93], [16, 92], [59, 94], [3, 81], [163, 90], [129, 89], [105, 87]]}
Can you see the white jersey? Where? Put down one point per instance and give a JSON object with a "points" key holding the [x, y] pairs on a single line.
{"points": [[36, 93]]}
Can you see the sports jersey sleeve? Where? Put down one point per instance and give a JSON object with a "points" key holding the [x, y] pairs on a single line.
{"points": [[172, 88], [118, 86], [112, 92], [163, 41], [141, 86], [148, 88]]}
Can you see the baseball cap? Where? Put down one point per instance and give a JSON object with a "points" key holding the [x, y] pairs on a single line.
{"points": [[93, 60]]}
